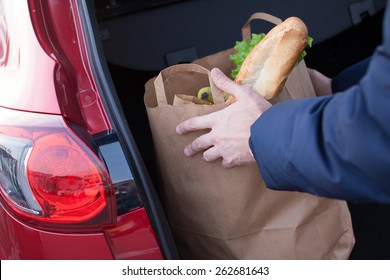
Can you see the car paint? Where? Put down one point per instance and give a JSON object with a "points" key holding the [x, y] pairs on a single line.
{"points": [[24, 86]]}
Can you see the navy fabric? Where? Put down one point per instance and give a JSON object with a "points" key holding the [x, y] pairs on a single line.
{"points": [[336, 146], [350, 76]]}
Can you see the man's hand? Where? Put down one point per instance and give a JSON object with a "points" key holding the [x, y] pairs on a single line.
{"points": [[230, 127]]}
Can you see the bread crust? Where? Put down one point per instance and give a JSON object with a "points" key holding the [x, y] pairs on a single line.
{"points": [[267, 66]]}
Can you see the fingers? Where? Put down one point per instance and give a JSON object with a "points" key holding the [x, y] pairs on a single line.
{"points": [[214, 154], [199, 144], [211, 154], [226, 84], [195, 123]]}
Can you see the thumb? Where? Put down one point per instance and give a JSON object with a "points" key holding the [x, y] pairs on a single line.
{"points": [[226, 84]]}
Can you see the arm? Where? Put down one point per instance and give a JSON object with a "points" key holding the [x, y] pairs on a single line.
{"points": [[337, 146], [350, 76]]}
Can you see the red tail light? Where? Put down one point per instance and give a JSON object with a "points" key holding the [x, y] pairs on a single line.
{"points": [[50, 178], [65, 179]]}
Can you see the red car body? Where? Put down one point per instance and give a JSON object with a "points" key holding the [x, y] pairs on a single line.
{"points": [[72, 184]]}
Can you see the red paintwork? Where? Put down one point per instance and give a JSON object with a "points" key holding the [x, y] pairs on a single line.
{"points": [[26, 70], [141, 246], [61, 36], [19, 241], [132, 238]]}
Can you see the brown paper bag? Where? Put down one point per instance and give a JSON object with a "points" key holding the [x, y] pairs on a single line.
{"points": [[217, 213]]}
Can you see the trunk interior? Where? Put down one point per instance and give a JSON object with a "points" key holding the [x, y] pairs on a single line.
{"points": [[329, 55]]}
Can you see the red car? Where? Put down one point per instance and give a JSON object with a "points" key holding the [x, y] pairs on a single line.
{"points": [[72, 182]]}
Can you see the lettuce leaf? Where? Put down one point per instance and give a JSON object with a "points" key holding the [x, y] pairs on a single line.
{"points": [[244, 47]]}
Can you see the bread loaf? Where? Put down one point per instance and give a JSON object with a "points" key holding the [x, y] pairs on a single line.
{"points": [[267, 66]]}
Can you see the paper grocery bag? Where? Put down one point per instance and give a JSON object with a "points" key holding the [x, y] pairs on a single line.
{"points": [[217, 213]]}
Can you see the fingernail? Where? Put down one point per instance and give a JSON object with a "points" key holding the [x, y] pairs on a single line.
{"points": [[216, 72], [187, 151]]}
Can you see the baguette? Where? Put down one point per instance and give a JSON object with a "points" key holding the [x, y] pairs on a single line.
{"points": [[267, 66]]}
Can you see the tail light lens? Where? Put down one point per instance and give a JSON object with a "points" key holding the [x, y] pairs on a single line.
{"points": [[50, 178]]}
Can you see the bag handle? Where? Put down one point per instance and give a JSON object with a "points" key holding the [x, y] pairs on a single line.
{"points": [[189, 67], [246, 29]]}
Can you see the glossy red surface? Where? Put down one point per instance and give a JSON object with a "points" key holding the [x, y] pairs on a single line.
{"points": [[19, 241], [133, 238], [26, 72], [58, 27]]}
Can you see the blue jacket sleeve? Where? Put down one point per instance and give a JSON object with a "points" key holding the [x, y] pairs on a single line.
{"points": [[336, 146]]}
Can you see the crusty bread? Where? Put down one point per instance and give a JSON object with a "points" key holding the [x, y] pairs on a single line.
{"points": [[268, 65]]}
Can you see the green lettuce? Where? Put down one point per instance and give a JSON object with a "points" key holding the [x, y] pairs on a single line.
{"points": [[244, 47]]}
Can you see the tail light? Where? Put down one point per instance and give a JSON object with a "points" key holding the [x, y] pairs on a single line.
{"points": [[49, 177]]}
